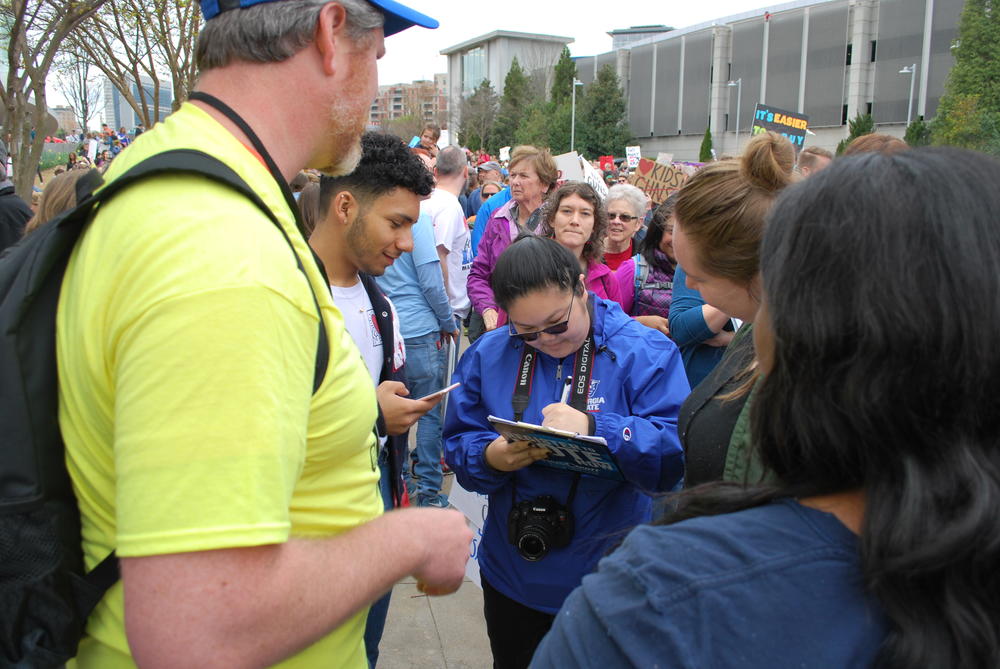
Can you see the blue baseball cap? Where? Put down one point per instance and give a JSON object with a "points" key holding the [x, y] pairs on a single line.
{"points": [[398, 17]]}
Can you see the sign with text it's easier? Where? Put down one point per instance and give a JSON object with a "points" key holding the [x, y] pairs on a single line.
{"points": [[786, 123]]}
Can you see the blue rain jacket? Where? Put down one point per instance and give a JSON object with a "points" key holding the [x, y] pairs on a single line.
{"points": [[636, 391]]}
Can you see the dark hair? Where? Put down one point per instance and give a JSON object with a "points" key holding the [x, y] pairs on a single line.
{"points": [[435, 130], [309, 207], [386, 164], [593, 250], [890, 383], [657, 225], [533, 263]]}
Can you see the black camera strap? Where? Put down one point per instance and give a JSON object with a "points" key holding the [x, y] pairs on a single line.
{"points": [[583, 371]]}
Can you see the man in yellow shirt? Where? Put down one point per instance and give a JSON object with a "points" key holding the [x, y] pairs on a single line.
{"points": [[242, 505]]}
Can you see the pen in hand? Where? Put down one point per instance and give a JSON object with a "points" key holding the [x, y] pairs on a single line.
{"points": [[565, 392]]}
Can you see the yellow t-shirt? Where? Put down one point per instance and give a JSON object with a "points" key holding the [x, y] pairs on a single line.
{"points": [[186, 342]]}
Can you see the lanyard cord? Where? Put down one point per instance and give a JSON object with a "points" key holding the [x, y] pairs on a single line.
{"points": [[583, 371], [323, 344]]}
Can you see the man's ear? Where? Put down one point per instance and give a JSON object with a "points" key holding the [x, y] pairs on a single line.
{"points": [[330, 26], [344, 208]]}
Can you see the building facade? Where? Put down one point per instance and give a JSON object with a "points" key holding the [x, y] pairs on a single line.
{"points": [[426, 100], [119, 114], [489, 57], [66, 118], [830, 59]]}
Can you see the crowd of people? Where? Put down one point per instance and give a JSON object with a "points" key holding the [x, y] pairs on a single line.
{"points": [[784, 360]]}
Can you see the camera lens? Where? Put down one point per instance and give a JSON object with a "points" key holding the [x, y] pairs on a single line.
{"points": [[532, 546]]}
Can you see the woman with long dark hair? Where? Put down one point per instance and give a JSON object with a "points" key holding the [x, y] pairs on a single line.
{"points": [[879, 412]]}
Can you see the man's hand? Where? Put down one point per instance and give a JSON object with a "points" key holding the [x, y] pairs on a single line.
{"points": [[655, 322], [446, 335], [400, 413], [446, 549], [490, 319], [564, 417], [506, 456]]}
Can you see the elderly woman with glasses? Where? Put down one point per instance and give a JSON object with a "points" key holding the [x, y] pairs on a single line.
{"points": [[569, 360], [626, 206]]}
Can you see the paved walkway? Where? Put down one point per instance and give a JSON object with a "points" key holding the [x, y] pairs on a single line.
{"points": [[429, 632]]}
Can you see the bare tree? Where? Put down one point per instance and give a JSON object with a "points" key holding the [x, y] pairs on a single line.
{"points": [[76, 84], [35, 31], [478, 113], [131, 39]]}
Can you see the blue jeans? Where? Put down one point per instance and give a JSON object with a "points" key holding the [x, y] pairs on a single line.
{"points": [[375, 624], [425, 365]]}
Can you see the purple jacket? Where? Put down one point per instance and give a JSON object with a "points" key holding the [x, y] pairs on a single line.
{"points": [[500, 231]]}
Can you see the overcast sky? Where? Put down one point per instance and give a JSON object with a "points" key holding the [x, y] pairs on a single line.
{"points": [[413, 54]]}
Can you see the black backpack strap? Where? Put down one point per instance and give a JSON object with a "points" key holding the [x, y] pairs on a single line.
{"points": [[197, 162]]}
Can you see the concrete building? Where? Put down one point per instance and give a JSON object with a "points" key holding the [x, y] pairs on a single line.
{"points": [[489, 57], [119, 114], [830, 59], [66, 118], [426, 100], [623, 37]]}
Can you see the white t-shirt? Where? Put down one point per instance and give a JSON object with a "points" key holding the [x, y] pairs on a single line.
{"points": [[451, 232], [359, 317]]}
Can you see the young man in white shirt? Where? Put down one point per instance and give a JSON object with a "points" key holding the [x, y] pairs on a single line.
{"points": [[364, 224]]}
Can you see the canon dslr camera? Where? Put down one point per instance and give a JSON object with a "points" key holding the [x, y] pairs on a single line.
{"points": [[537, 526]]}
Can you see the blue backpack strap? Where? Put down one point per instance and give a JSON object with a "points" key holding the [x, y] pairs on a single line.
{"points": [[641, 274]]}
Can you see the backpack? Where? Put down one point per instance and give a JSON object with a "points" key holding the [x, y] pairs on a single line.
{"points": [[642, 283], [45, 596]]}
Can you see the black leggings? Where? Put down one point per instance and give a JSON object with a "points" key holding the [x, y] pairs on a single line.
{"points": [[514, 629]]}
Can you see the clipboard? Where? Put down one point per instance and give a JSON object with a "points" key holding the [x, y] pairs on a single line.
{"points": [[568, 451]]}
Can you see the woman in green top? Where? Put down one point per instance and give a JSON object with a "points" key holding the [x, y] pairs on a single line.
{"points": [[719, 224]]}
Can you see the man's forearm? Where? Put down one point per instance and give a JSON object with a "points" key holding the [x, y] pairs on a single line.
{"points": [[256, 606], [429, 276]]}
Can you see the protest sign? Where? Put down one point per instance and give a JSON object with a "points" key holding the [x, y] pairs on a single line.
{"points": [[607, 163], [787, 124], [505, 154], [632, 155], [474, 507], [656, 180], [569, 168], [664, 158], [594, 178]]}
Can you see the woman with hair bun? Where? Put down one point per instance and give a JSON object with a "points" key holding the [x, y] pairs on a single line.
{"points": [[878, 410], [720, 216]]}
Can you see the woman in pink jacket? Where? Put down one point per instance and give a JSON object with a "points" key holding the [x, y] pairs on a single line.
{"points": [[575, 217]]}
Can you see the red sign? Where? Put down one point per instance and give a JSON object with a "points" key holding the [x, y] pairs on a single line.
{"points": [[607, 163]]}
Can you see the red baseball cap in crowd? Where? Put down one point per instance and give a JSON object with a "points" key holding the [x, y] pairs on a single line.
{"points": [[397, 16]]}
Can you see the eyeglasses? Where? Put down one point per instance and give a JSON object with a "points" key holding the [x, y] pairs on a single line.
{"points": [[556, 329], [624, 218]]}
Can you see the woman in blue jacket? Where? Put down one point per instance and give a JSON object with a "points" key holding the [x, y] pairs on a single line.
{"points": [[637, 384]]}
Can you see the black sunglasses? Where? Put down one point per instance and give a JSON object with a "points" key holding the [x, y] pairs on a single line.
{"points": [[556, 329], [624, 218]]}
